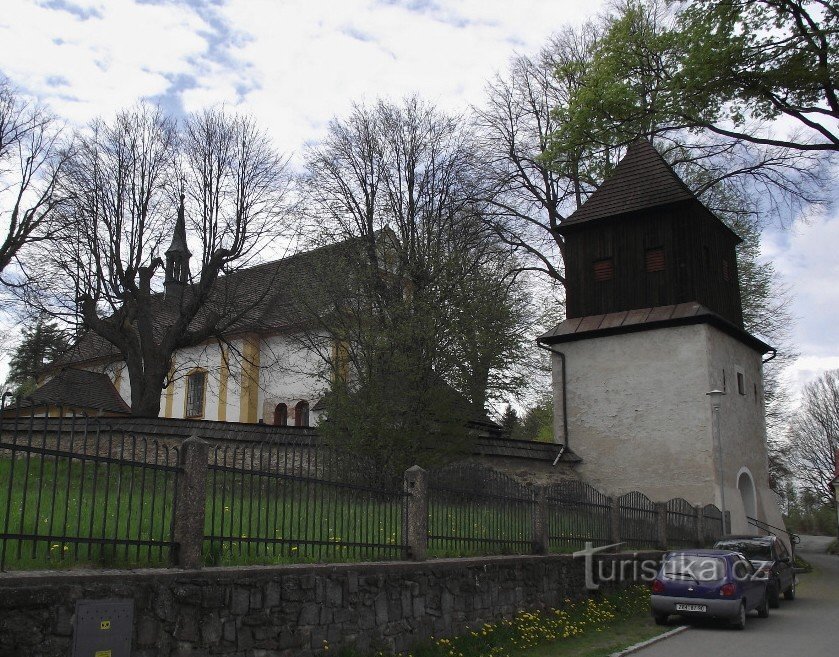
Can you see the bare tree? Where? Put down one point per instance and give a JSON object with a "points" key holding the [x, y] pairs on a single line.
{"points": [[532, 191], [401, 184], [132, 187], [31, 159], [814, 436]]}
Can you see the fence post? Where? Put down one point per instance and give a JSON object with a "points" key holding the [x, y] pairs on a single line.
{"points": [[615, 520], [661, 524], [188, 523], [699, 525], [540, 542], [415, 518]]}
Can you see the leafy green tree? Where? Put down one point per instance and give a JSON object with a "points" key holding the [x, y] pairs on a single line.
{"points": [[42, 342], [537, 423], [741, 60]]}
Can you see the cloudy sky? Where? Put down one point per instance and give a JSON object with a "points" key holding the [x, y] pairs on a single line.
{"points": [[294, 64]]}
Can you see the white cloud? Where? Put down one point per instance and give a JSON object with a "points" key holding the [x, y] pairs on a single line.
{"points": [[806, 257]]}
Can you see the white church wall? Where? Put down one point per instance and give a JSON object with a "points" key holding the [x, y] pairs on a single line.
{"points": [[637, 412], [206, 357], [288, 374]]}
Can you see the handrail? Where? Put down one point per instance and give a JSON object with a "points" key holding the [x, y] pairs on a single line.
{"points": [[794, 539]]}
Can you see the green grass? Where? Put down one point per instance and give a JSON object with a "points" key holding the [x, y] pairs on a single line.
{"points": [[596, 627], [56, 499]]}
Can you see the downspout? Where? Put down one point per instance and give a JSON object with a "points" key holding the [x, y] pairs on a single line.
{"points": [[564, 394]]}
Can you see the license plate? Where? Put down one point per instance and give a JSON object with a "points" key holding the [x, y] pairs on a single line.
{"points": [[701, 608]]}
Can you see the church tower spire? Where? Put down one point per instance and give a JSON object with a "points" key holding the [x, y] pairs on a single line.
{"points": [[177, 259]]}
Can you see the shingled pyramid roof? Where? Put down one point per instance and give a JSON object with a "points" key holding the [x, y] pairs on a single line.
{"points": [[642, 179]]}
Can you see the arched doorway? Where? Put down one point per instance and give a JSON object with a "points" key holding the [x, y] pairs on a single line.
{"points": [[746, 486], [280, 415], [301, 414]]}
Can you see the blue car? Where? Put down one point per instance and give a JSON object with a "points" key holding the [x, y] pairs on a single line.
{"points": [[718, 584]]}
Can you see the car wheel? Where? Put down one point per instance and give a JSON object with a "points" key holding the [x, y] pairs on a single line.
{"points": [[789, 594], [763, 608], [739, 623], [660, 619], [774, 593]]}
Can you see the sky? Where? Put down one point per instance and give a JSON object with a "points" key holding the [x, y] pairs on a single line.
{"points": [[294, 64]]}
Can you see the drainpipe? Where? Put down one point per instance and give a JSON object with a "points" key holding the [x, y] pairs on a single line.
{"points": [[564, 395]]}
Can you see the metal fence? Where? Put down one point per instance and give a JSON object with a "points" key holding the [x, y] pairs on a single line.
{"points": [[298, 502], [74, 490], [577, 514], [72, 493], [473, 510]]}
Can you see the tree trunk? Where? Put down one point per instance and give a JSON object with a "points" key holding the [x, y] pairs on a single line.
{"points": [[146, 388]]}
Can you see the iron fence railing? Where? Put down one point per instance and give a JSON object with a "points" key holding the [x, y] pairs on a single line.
{"points": [[298, 502], [473, 510], [74, 492], [577, 514]]}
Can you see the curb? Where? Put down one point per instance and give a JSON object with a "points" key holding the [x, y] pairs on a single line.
{"points": [[649, 642]]}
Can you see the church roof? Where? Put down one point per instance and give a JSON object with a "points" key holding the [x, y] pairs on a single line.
{"points": [[628, 321], [641, 180], [270, 297], [80, 389]]}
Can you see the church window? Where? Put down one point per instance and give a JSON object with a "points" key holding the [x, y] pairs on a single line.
{"points": [[741, 383], [196, 382], [301, 414], [280, 415], [654, 259], [726, 270], [604, 269]]}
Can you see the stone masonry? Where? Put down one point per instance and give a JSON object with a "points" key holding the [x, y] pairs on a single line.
{"points": [[280, 611]]}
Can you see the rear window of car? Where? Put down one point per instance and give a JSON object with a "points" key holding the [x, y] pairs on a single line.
{"points": [[752, 550], [694, 567]]}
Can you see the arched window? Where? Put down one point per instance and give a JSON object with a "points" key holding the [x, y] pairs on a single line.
{"points": [[281, 415], [301, 414], [196, 384]]}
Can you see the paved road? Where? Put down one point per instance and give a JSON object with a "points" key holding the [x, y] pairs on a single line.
{"points": [[806, 627]]}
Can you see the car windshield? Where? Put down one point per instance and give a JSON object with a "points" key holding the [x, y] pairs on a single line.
{"points": [[694, 567], [752, 550]]}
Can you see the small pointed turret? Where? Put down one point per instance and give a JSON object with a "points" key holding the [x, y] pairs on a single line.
{"points": [[177, 259]]}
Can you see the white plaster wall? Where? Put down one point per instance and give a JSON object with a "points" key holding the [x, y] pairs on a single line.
{"points": [[639, 416], [742, 427], [289, 372], [637, 412]]}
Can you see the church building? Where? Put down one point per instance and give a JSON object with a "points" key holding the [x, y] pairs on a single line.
{"points": [[657, 385]]}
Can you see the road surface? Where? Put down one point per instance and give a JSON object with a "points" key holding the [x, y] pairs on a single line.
{"points": [[807, 626]]}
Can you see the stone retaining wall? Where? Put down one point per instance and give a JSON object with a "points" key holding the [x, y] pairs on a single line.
{"points": [[286, 610]]}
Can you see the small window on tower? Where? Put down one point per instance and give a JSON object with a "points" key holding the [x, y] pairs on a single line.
{"points": [[604, 269], [654, 259], [726, 270], [741, 383]]}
